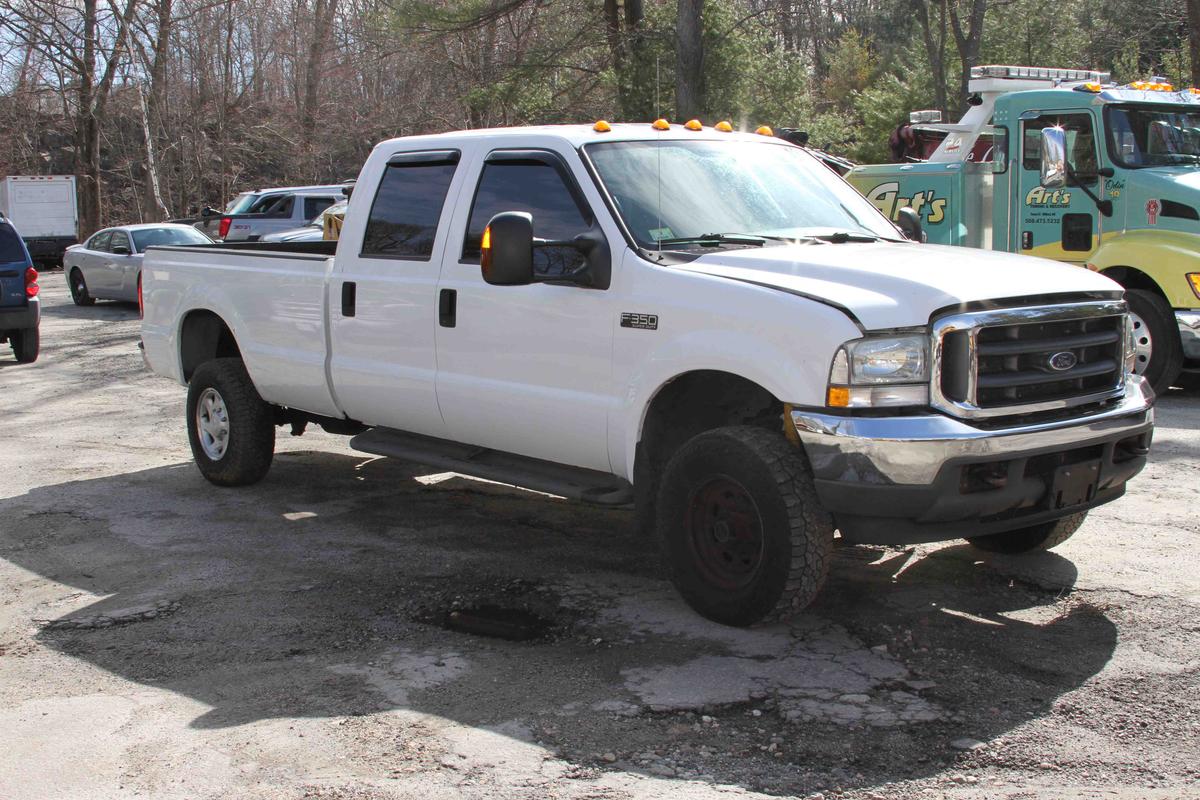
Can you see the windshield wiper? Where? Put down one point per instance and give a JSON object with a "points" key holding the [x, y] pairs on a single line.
{"points": [[714, 239], [841, 237]]}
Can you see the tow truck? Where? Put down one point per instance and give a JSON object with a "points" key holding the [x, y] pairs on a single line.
{"points": [[1118, 191]]}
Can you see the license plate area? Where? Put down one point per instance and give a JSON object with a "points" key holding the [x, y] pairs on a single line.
{"points": [[1074, 484]]}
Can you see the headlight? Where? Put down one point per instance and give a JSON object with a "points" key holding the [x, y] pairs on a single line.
{"points": [[1130, 346], [880, 371]]}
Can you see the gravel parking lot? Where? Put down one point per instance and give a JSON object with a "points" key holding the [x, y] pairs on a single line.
{"points": [[321, 634]]}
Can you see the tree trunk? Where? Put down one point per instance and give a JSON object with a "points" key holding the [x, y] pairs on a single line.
{"points": [[1193, 8], [322, 23], [935, 47], [689, 60], [968, 41]]}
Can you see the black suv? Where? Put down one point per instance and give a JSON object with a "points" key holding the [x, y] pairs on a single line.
{"points": [[20, 309]]}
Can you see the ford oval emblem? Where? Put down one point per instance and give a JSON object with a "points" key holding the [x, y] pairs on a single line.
{"points": [[1061, 362]]}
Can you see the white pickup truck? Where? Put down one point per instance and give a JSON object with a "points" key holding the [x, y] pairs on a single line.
{"points": [[709, 325]]}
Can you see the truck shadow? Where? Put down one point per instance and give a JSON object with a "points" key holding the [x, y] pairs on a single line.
{"points": [[324, 590]]}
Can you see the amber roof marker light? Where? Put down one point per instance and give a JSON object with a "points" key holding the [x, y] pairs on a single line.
{"points": [[660, 125], [693, 125], [764, 130], [602, 126], [724, 126]]}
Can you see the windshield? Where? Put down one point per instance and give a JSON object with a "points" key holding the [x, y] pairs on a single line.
{"points": [[669, 191], [150, 237], [1154, 136], [240, 203]]}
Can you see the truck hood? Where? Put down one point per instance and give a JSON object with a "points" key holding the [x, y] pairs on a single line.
{"points": [[1181, 184], [896, 284]]}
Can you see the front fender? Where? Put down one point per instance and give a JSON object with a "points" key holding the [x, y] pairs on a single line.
{"points": [[791, 362], [1166, 256]]}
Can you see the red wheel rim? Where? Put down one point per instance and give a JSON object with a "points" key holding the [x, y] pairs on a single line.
{"points": [[725, 532]]}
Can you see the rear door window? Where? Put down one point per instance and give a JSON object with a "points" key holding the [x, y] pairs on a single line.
{"points": [[408, 205], [100, 241], [11, 248], [315, 205], [119, 239]]}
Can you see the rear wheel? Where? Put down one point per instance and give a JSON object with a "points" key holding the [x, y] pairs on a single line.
{"points": [[79, 290], [1032, 539], [1158, 356], [25, 344], [742, 530], [230, 426]]}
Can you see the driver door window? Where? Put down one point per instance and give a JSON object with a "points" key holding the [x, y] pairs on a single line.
{"points": [[1081, 143], [539, 189]]}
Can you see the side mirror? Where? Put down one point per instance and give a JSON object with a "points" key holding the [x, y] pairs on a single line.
{"points": [[909, 222], [506, 249], [120, 250], [1054, 158], [208, 211]]}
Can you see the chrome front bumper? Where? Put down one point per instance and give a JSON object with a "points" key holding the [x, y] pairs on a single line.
{"points": [[892, 480], [1189, 332], [911, 450]]}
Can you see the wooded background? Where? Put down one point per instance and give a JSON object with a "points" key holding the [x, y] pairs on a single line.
{"points": [[163, 106]]}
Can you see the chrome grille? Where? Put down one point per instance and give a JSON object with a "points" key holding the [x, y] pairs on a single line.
{"points": [[1025, 360]]}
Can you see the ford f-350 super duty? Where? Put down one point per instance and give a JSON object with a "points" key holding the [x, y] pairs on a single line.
{"points": [[706, 324]]}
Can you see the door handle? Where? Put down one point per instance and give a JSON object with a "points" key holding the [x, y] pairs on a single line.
{"points": [[349, 290], [447, 308]]}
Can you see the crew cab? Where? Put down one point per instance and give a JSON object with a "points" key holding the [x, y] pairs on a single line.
{"points": [[709, 325]]}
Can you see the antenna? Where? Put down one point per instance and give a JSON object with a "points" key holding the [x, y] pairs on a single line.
{"points": [[658, 147]]}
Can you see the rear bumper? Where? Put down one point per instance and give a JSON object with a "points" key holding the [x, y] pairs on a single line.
{"points": [[1189, 332], [21, 317], [899, 480]]}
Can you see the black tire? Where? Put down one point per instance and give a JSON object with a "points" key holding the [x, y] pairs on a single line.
{"points": [[1033, 539], [753, 478], [78, 287], [1158, 326], [249, 439], [26, 343]]}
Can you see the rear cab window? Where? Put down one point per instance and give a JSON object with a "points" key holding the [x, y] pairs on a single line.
{"points": [[408, 205], [12, 249], [313, 206]]}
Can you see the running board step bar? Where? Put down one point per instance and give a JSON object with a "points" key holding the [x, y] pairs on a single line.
{"points": [[493, 465]]}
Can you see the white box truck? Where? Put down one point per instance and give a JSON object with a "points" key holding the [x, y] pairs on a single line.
{"points": [[45, 210]]}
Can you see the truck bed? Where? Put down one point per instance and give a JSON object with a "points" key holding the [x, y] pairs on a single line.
{"points": [[278, 290]]}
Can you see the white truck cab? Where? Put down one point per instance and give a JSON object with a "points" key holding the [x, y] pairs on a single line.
{"points": [[708, 324]]}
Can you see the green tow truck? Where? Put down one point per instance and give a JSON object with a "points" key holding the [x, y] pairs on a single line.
{"points": [[1066, 165]]}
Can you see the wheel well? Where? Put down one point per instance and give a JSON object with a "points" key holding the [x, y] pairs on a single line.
{"points": [[696, 402], [204, 336], [1133, 278]]}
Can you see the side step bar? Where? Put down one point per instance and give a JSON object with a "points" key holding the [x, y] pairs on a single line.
{"points": [[529, 473]]}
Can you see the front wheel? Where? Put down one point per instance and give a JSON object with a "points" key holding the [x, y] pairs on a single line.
{"points": [[743, 532], [1158, 355], [25, 344], [1033, 539], [230, 426]]}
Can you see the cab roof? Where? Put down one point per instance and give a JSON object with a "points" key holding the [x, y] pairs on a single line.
{"points": [[578, 135]]}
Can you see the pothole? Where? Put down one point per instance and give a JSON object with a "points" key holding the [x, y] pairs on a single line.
{"points": [[515, 611]]}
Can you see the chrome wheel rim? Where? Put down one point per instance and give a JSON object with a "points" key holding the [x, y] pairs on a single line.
{"points": [[1143, 345], [212, 424]]}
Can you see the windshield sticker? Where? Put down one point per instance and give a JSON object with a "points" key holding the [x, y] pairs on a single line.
{"points": [[658, 234], [1152, 207], [926, 203]]}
